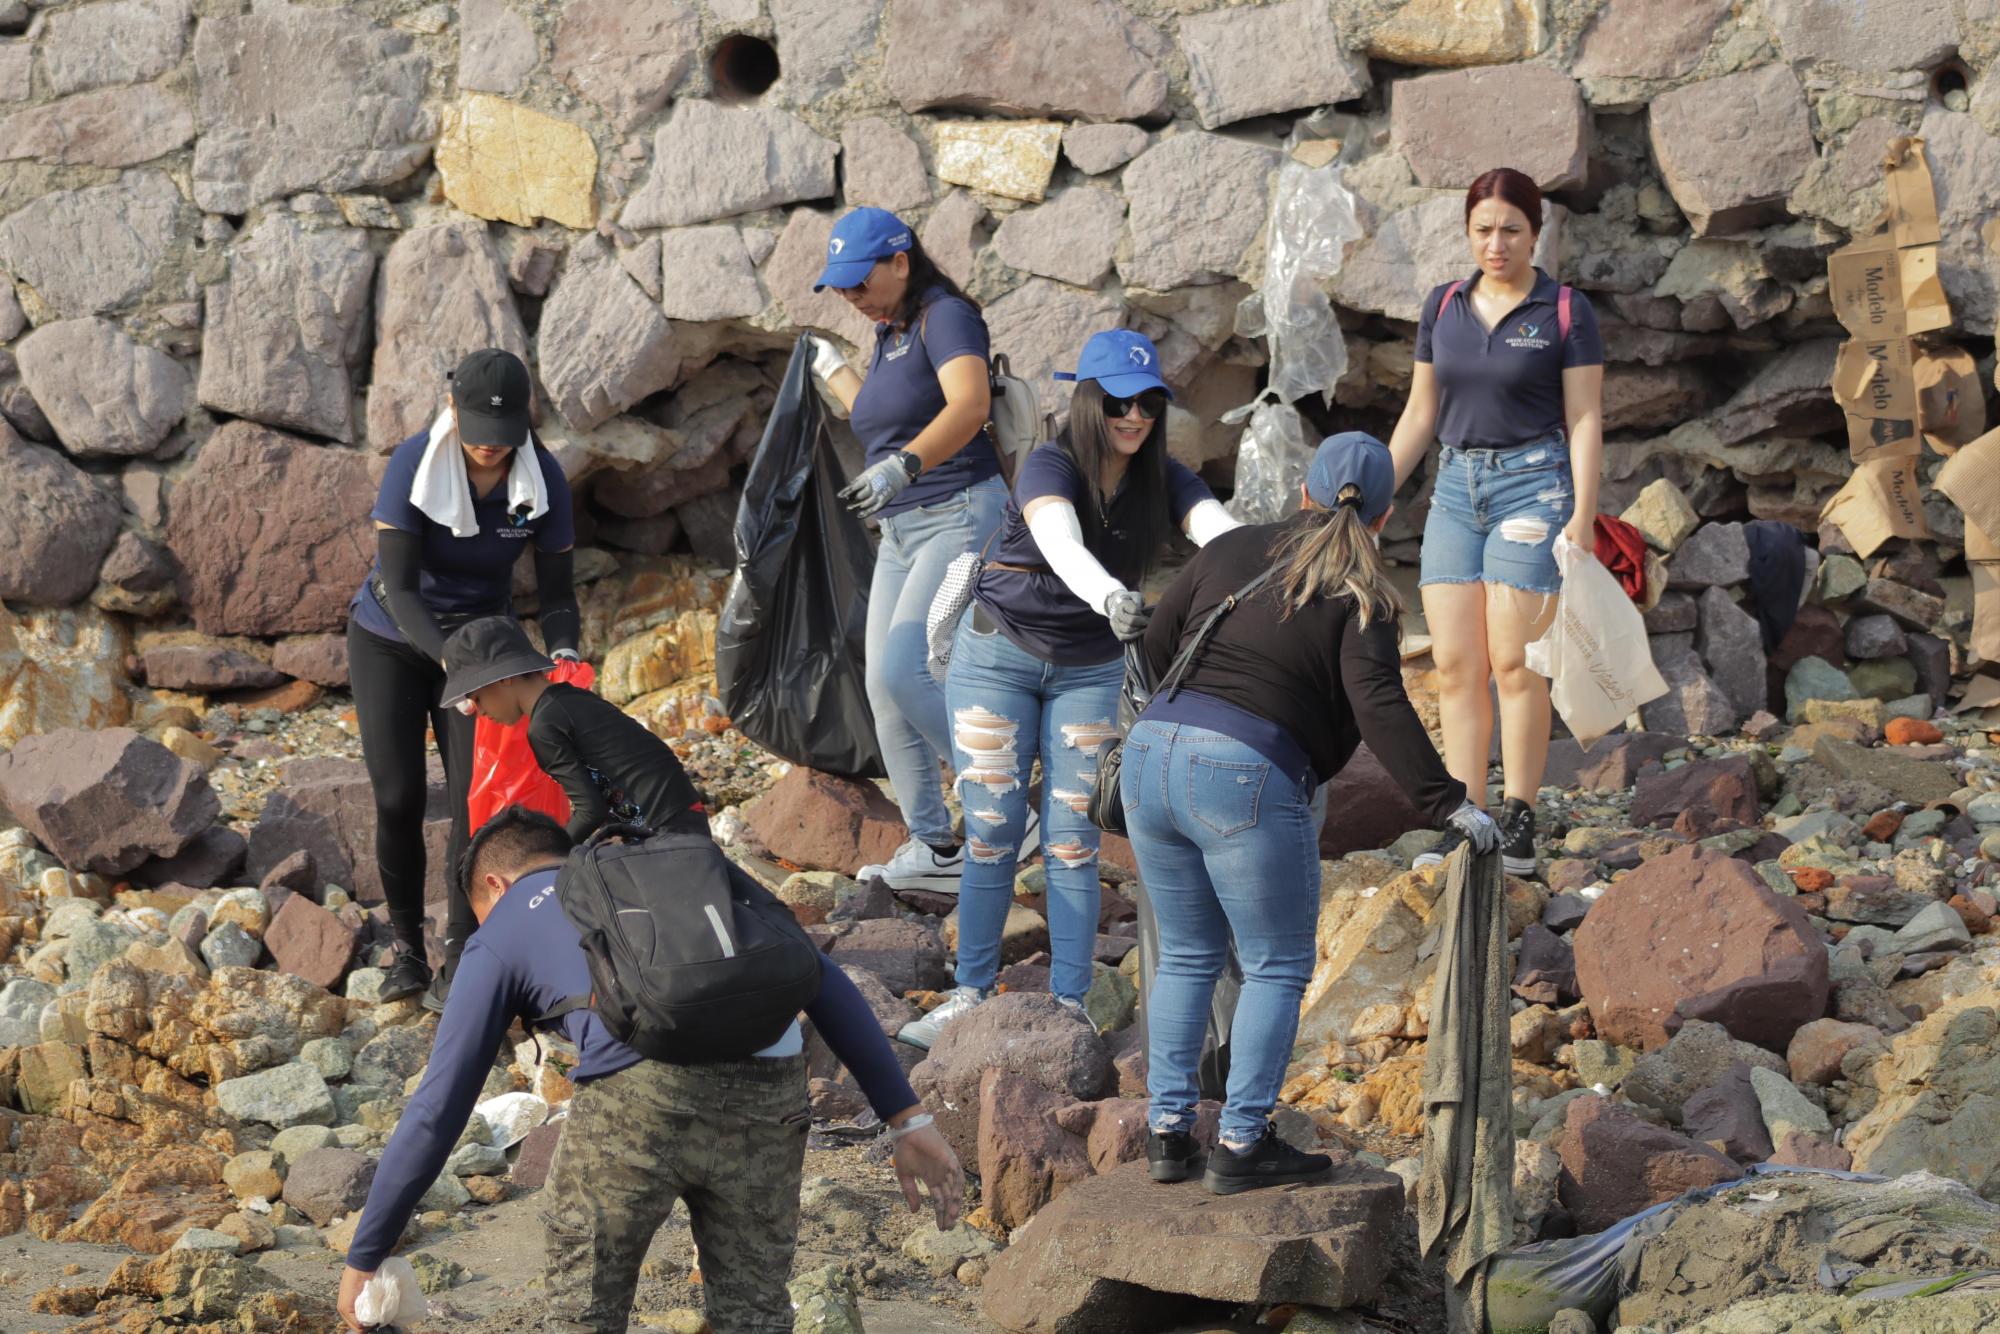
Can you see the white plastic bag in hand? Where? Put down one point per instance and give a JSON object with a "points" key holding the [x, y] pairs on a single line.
{"points": [[1596, 656], [392, 1296]]}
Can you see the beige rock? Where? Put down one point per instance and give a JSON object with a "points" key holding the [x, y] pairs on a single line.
{"points": [[190, 747], [173, 959], [1371, 920], [677, 709], [511, 163], [662, 656], [60, 669], [1010, 158], [1461, 32], [1932, 1097], [257, 1174], [44, 1075], [1662, 515]]}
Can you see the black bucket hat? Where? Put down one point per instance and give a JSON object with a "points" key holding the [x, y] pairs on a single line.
{"points": [[489, 649]]}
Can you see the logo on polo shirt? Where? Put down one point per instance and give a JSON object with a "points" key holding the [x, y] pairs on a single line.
{"points": [[1527, 338]]}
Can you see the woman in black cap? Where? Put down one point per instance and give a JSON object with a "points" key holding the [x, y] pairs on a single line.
{"points": [[458, 505], [1276, 650]]}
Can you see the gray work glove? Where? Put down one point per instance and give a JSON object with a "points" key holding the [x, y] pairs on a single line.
{"points": [[1128, 614], [1481, 833], [876, 487]]}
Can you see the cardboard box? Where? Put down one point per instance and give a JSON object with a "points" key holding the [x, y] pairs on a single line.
{"points": [[1883, 499], [1886, 285], [1951, 402]]}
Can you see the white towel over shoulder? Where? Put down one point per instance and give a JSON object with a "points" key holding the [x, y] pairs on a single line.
{"points": [[443, 492]]}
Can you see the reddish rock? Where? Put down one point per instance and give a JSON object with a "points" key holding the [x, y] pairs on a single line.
{"points": [[1025, 1157], [1727, 1115], [1545, 968], [536, 1155], [291, 697], [833, 1101], [906, 956], [296, 874], [327, 807], [1817, 1049], [172, 1188], [1874, 899], [1570, 873], [214, 857], [105, 801], [1695, 934], [1804, 1150], [1977, 920], [816, 820], [310, 942], [1365, 809], [320, 659], [207, 667], [1816, 633], [1700, 798], [1029, 1035], [1811, 879], [1615, 1164], [1911, 732], [1882, 826], [1611, 764], [1114, 1129], [325, 1184]]}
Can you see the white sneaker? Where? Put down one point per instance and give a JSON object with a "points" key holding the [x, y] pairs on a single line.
{"points": [[917, 865], [923, 1032]]}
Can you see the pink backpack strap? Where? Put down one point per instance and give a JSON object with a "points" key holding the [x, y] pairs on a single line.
{"points": [[1449, 293], [1562, 315]]}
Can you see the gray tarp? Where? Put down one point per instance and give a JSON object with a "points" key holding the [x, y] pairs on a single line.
{"points": [[1465, 1208]]}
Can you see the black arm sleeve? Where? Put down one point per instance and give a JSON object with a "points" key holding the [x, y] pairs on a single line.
{"points": [[401, 558], [555, 591], [1371, 674], [556, 750]]}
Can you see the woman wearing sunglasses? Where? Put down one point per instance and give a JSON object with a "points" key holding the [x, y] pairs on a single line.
{"points": [[458, 506], [932, 482], [1038, 660]]}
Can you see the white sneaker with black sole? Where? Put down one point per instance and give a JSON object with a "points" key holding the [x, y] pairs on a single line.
{"points": [[923, 1032], [917, 865]]}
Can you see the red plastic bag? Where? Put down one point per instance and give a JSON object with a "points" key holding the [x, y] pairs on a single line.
{"points": [[504, 772]]}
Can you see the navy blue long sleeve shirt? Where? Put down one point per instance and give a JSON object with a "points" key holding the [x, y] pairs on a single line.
{"points": [[523, 961]]}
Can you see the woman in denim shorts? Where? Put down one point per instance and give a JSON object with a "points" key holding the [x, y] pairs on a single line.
{"points": [[1509, 375]]}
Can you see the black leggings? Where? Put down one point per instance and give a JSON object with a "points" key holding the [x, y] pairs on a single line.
{"points": [[396, 691]]}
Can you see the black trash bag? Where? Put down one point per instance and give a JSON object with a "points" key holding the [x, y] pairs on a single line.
{"points": [[1212, 1076], [788, 643]]}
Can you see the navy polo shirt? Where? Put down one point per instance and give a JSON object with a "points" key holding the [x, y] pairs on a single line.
{"points": [[464, 576], [901, 396], [1034, 608], [1502, 389]]}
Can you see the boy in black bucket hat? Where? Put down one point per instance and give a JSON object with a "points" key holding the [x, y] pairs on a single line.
{"points": [[612, 769]]}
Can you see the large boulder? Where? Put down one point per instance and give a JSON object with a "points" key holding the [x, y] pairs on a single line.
{"points": [[712, 161], [1197, 205], [1252, 62], [442, 293], [324, 1184], [1615, 1164], [1932, 1094], [1117, 1254], [603, 344], [357, 122], [1366, 809], [1040, 325], [1647, 39], [1700, 798], [123, 41], [284, 328], [627, 56], [263, 528], [1073, 59], [59, 525], [1372, 922], [906, 955], [1699, 1057], [1027, 1034], [1698, 935], [105, 801], [59, 669], [1441, 124], [97, 249], [1026, 1158], [105, 395], [310, 941], [326, 807], [816, 820], [1732, 148]]}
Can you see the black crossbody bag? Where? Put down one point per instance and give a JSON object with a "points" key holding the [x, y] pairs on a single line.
{"points": [[1107, 801]]}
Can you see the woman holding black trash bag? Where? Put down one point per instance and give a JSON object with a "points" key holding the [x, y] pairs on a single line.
{"points": [[1510, 375], [1037, 661], [1286, 643], [932, 482], [457, 506]]}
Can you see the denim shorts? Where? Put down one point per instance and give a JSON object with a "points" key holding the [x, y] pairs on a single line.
{"points": [[1495, 514]]}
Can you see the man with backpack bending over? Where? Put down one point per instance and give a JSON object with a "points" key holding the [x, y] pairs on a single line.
{"points": [[727, 1136]]}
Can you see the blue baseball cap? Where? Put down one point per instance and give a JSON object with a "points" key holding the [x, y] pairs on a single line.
{"points": [[1124, 363], [1353, 458], [861, 238]]}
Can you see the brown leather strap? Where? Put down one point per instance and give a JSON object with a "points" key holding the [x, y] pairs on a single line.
{"points": [[1018, 569]]}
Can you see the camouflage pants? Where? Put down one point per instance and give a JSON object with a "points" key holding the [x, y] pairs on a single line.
{"points": [[730, 1139]]}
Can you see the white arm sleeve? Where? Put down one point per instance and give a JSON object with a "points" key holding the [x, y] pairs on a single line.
{"points": [[1207, 521], [1058, 533]]}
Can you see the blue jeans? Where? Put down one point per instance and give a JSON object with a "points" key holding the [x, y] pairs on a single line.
{"points": [[908, 702], [1495, 514], [1007, 707], [1228, 847]]}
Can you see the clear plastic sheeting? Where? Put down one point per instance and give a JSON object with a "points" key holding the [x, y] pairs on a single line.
{"points": [[1271, 462], [1312, 223]]}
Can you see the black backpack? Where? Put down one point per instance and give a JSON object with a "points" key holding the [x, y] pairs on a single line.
{"points": [[690, 959]]}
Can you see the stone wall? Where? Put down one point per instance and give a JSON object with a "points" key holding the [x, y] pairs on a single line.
{"points": [[246, 243]]}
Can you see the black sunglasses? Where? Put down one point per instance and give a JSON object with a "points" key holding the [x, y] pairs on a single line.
{"points": [[1152, 404]]}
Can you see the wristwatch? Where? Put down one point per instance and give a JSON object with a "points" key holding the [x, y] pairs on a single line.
{"points": [[912, 465]]}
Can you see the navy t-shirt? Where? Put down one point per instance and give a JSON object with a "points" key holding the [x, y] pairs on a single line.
{"points": [[901, 395], [1035, 608], [1502, 389], [464, 576]]}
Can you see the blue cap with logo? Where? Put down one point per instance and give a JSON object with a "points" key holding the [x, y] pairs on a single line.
{"points": [[1357, 459], [863, 237], [1124, 363]]}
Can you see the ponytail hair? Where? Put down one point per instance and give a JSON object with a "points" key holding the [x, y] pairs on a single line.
{"points": [[1335, 555]]}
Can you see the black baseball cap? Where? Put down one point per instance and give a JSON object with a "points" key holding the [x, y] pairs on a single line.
{"points": [[489, 649], [490, 389]]}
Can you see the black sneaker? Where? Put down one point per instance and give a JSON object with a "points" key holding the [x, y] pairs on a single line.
{"points": [[1268, 1162], [1517, 838], [439, 989], [1171, 1155], [405, 977], [1447, 845]]}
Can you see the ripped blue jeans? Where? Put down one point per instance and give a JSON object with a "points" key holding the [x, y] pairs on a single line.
{"points": [[1495, 514], [1008, 706]]}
